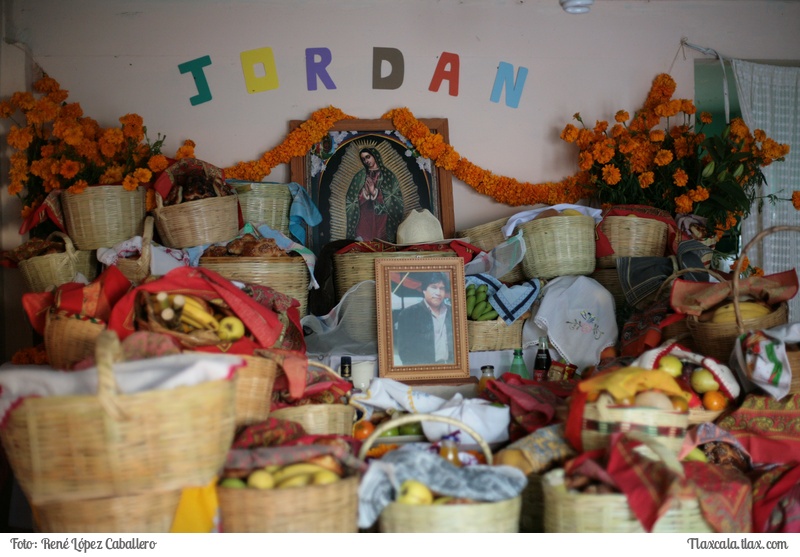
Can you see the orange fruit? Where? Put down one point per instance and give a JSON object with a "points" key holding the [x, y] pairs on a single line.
{"points": [[363, 429], [679, 403], [714, 400]]}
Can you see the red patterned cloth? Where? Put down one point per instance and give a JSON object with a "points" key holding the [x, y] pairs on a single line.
{"points": [[768, 429], [776, 499], [50, 209], [643, 329], [268, 433], [321, 386]]}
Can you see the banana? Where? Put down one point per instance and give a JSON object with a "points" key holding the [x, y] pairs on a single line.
{"points": [[488, 315], [471, 288], [324, 477], [479, 309], [748, 310], [296, 469], [198, 318], [470, 303], [298, 480]]}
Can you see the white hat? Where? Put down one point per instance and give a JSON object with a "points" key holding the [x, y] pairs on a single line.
{"points": [[419, 227]]}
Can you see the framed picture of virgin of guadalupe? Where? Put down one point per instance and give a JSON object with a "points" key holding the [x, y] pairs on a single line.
{"points": [[364, 176]]}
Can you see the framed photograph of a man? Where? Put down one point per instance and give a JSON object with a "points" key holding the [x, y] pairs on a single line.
{"points": [[364, 177], [422, 321]]}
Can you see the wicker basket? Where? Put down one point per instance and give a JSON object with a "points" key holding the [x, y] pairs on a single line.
{"points": [[794, 366], [717, 339], [143, 512], [633, 237], [354, 267], [197, 223], [601, 419], [487, 237], [136, 270], [103, 216], [41, 272], [69, 339], [254, 389], [560, 245], [495, 517], [700, 415], [79, 447], [289, 275], [574, 512], [609, 279], [267, 203], [314, 508], [495, 335], [320, 419]]}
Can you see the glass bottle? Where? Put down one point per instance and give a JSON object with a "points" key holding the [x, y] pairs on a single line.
{"points": [[346, 369], [518, 365], [448, 450], [487, 374], [541, 364]]}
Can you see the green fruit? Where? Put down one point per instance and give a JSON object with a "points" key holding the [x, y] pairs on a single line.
{"points": [[479, 309], [470, 303], [488, 315], [411, 429], [234, 483], [391, 432]]}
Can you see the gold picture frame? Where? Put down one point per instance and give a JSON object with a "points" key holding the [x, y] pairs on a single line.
{"points": [[412, 345], [327, 169]]}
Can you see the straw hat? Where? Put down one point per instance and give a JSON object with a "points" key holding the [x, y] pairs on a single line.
{"points": [[419, 227]]}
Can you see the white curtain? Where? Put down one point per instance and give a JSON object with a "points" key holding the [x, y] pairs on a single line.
{"points": [[769, 97]]}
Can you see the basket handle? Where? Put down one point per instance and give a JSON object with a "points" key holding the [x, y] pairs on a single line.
{"points": [[668, 457], [685, 271], [147, 238], [737, 269], [413, 418], [70, 247], [107, 350]]}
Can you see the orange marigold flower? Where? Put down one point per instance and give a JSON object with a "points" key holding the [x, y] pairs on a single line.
{"points": [[78, 187], [680, 177], [69, 168], [621, 116], [657, 136], [130, 182], [646, 179], [46, 84], [706, 118], [688, 106], [698, 194], [600, 127], [603, 151], [132, 126], [19, 138], [585, 160], [6, 110], [157, 163], [683, 204], [663, 157], [611, 174], [796, 199], [739, 129], [569, 133]]}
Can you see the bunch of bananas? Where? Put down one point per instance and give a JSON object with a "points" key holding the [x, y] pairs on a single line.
{"points": [[478, 306], [193, 315]]}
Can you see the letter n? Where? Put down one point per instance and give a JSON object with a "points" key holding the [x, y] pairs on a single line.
{"points": [[505, 76], [317, 68], [451, 75], [395, 59], [264, 59]]}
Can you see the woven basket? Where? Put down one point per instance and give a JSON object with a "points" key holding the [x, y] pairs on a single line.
{"points": [[487, 237], [136, 270], [320, 419], [556, 246], [794, 366], [351, 268], [495, 517], [574, 512], [700, 415], [633, 237], [63, 448], [313, 508], [267, 203], [495, 335], [143, 512], [717, 339], [601, 419], [289, 275], [68, 340], [197, 223], [41, 272], [103, 216], [254, 389], [609, 279]]}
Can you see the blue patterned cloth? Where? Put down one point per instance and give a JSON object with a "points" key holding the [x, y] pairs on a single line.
{"points": [[510, 302]]}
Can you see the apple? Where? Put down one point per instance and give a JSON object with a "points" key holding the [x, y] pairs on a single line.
{"points": [[233, 483], [413, 492], [411, 429], [391, 432], [671, 364], [260, 479], [231, 329], [703, 381]]}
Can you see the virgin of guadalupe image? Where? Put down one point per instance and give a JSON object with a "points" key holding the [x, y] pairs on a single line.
{"points": [[371, 192]]}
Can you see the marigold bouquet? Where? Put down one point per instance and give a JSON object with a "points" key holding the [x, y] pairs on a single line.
{"points": [[677, 169], [57, 147]]}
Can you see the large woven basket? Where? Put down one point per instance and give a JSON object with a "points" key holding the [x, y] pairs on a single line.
{"points": [[353, 267], [633, 237], [574, 512], [491, 517], [197, 223], [267, 203], [313, 509], [495, 335], [103, 216], [41, 272], [794, 366], [320, 419], [254, 389], [143, 512], [560, 245], [717, 339], [289, 275], [136, 270], [69, 339], [63, 448], [487, 237]]}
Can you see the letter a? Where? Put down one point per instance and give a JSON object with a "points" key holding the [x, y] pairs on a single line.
{"points": [[316, 68], [505, 76], [395, 58], [263, 57], [440, 74], [195, 67]]}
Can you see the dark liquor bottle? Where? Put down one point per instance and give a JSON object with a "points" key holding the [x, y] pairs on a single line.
{"points": [[541, 364]]}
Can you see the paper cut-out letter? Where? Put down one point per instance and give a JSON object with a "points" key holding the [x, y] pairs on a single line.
{"points": [[317, 68], [505, 76], [259, 58], [451, 75], [195, 67], [395, 59]]}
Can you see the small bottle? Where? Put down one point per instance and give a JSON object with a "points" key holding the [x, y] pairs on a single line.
{"points": [[541, 365], [346, 369], [487, 374], [448, 450], [518, 365]]}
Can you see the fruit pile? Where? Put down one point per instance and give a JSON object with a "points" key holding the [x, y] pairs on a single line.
{"points": [[211, 321], [364, 428], [478, 307], [725, 312], [321, 470], [414, 492]]}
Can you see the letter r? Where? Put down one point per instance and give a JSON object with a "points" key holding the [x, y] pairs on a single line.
{"points": [[317, 68]]}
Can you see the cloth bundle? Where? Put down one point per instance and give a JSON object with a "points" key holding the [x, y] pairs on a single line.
{"points": [[766, 365]]}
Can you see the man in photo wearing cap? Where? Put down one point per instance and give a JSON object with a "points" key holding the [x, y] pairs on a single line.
{"points": [[423, 333]]}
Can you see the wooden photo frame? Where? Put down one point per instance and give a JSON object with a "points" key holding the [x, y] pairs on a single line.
{"points": [[406, 328], [333, 173]]}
